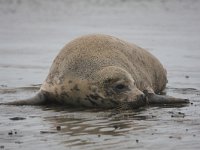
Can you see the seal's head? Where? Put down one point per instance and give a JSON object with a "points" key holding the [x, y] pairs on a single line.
{"points": [[115, 87]]}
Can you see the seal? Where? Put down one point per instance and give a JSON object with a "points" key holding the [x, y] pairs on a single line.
{"points": [[102, 71]]}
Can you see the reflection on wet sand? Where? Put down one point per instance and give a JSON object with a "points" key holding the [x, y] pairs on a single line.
{"points": [[80, 126]]}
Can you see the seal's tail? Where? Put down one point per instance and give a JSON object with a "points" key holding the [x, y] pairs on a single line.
{"points": [[38, 99]]}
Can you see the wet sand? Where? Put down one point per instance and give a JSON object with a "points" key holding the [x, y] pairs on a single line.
{"points": [[33, 32]]}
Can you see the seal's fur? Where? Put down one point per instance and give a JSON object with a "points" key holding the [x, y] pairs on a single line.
{"points": [[102, 71]]}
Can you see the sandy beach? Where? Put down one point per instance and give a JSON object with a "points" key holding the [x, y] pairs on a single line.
{"points": [[32, 34]]}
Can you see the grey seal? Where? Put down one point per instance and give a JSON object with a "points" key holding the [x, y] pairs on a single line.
{"points": [[102, 71]]}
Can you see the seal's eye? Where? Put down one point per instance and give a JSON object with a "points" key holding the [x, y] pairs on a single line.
{"points": [[120, 87]]}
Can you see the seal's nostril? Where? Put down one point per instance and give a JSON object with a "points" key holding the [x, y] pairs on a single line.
{"points": [[142, 96]]}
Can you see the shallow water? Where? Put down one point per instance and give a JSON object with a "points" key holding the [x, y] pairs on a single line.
{"points": [[33, 32]]}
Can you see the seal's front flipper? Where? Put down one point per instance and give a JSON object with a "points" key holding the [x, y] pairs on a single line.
{"points": [[164, 99], [38, 99]]}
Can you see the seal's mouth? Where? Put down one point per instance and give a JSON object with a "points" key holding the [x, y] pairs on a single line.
{"points": [[132, 104]]}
